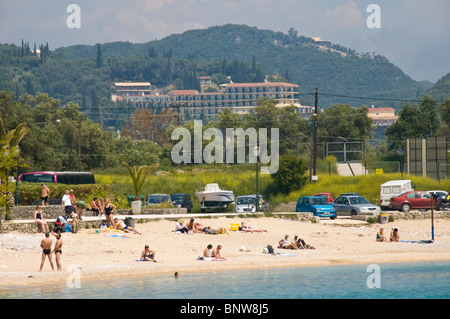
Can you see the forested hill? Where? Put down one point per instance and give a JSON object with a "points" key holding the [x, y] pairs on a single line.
{"points": [[332, 68], [441, 90]]}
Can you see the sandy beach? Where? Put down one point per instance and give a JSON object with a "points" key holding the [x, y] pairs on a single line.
{"points": [[110, 254]]}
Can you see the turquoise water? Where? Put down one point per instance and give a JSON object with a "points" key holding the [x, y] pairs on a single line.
{"points": [[427, 280]]}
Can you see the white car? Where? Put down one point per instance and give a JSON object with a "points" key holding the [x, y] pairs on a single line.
{"points": [[247, 204], [441, 194]]}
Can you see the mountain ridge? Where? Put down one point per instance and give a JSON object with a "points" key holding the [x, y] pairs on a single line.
{"points": [[331, 68]]}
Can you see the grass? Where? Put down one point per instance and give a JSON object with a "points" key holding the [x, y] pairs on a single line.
{"points": [[241, 179]]}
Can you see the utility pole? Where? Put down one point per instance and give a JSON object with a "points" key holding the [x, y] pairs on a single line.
{"points": [[314, 173], [79, 142]]}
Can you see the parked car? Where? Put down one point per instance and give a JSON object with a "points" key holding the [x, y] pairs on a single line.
{"points": [[393, 188], [247, 204], [328, 196], [348, 205], [156, 199], [350, 194], [412, 200], [318, 205], [182, 200], [442, 195]]}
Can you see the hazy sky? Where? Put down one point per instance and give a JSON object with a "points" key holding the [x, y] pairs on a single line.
{"points": [[413, 34]]}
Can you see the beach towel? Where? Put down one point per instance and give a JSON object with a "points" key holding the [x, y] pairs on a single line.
{"points": [[118, 236]]}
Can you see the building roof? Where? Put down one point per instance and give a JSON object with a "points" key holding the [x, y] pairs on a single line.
{"points": [[132, 84], [259, 84], [381, 109], [183, 92]]}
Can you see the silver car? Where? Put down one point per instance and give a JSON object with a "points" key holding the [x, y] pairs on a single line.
{"points": [[353, 205], [247, 204]]}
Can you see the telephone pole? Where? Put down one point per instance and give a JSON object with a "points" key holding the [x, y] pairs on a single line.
{"points": [[315, 132]]}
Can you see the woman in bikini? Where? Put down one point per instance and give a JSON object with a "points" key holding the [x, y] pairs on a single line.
{"points": [[39, 220], [148, 255]]}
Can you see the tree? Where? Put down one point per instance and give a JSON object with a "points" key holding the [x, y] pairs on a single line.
{"points": [[138, 176], [99, 56], [342, 120], [9, 156], [414, 121], [290, 175]]}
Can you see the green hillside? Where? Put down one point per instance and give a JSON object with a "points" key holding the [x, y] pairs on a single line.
{"points": [[332, 68], [441, 90]]}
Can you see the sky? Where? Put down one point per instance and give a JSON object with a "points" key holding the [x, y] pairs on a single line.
{"points": [[412, 34]]}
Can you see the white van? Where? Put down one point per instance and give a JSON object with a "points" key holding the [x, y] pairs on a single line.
{"points": [[393, 188]]}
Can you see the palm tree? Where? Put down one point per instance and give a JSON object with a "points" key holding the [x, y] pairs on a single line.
{"points": [[138, 176], [10, 146]]}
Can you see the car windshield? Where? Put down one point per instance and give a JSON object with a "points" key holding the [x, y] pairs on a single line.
{"points": [[358, 200], [245, 201], [177, 198], [156, 199], [319, 201]]}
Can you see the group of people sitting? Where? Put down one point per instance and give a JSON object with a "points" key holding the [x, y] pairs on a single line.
{"points": [[395, 235], [297, 243]]}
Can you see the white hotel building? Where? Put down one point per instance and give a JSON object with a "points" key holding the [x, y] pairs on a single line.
{"points": [[240, 97]]}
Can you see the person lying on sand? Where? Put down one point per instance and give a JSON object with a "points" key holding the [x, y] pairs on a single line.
{"points": [[220, 231], [246, 228], [120, 225]]}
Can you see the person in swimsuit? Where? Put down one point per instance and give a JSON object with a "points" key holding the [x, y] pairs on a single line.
{"points": [[109, 208], [95, 209], [46, 245], [148, 255], [216, 253], [380, 236], [283, 243], [207, 253], [39, 220], [120, 225], [58, 251], [45, 194], [395, 236]]}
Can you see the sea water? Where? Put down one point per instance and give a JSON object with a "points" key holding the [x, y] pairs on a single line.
{"points": [[425, 280]]}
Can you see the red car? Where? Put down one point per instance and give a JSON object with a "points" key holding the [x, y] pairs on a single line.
{"points": [[412, 200], [328, 196]]}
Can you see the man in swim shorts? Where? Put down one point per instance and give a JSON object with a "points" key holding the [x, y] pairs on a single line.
{"points": [[46, 245], [45, 195], [58, 251]]}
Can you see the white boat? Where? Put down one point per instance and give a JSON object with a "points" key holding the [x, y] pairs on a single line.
{"points": [[214, 198]]}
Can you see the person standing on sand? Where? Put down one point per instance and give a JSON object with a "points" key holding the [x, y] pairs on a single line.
{"points": [[46, 245], [58, 251]]}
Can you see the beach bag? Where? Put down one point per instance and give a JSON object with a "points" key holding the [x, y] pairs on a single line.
{"points": [[270, 249]]}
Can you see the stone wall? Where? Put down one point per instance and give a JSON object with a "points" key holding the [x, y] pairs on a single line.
{"points": [[53, 211]]}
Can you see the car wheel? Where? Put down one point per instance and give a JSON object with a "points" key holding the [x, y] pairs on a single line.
{"points": [[406, 208], [354, 212]]}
